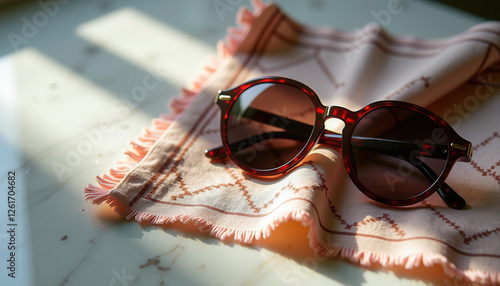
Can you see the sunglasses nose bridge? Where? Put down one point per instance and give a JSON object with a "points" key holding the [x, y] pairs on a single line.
{"points": [[338, 112]]}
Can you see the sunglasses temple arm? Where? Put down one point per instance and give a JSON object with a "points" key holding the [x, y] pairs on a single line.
{"points": [[449, 196], [216, 154], [289, 124], [298, 128], [334, 139], [398, 148], [390, 147], [328, 138], [219, 153]]}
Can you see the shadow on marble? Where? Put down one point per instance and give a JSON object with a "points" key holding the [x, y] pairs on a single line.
{"points": [[286, 252]]}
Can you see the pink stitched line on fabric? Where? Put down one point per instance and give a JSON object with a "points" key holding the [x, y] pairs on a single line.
{"points": [[322, 187], [170, 158], [290, 64], [202, 190], [260, 45], [315, 55], [238, 182], [154, 180], [177, 149], [467, 239], [243, 190], [483, 62], [350, 36], [384, 217], [326, 70], [338, 216], [411, 83], [489, 171], [464, 253], [460, 39], [173, 169], [482, 81], [486, 141], [368, 41]]}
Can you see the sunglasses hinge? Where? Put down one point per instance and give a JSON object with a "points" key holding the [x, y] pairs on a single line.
{"points": [[223, 97], [458, 146], [467, 149]]}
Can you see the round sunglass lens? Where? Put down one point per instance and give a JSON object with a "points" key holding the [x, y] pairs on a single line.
{"points": [[398, 153], [269, 124]]}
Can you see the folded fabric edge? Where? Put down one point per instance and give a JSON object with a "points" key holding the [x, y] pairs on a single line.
{"points": [[364, 258], [138, 149], [408, 262]]}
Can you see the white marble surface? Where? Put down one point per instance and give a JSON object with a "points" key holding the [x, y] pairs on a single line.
{"points": [[67, 73]]}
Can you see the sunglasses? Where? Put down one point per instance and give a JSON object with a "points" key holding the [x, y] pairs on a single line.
{"points": [[396, 153]]}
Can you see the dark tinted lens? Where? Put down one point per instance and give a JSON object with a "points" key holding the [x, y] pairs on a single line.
{"points": [[269, 124], [398, 153]]}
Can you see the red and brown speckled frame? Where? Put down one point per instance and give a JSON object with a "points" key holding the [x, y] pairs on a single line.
{"points": [[458, 149]]}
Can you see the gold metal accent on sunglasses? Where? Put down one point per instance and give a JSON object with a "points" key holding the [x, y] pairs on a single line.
{"points": [[458, 146], [463, 148], [224, 97], [469, 151]]}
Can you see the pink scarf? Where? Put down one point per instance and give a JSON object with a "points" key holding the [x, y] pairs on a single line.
{"points": [[165, 177]]}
